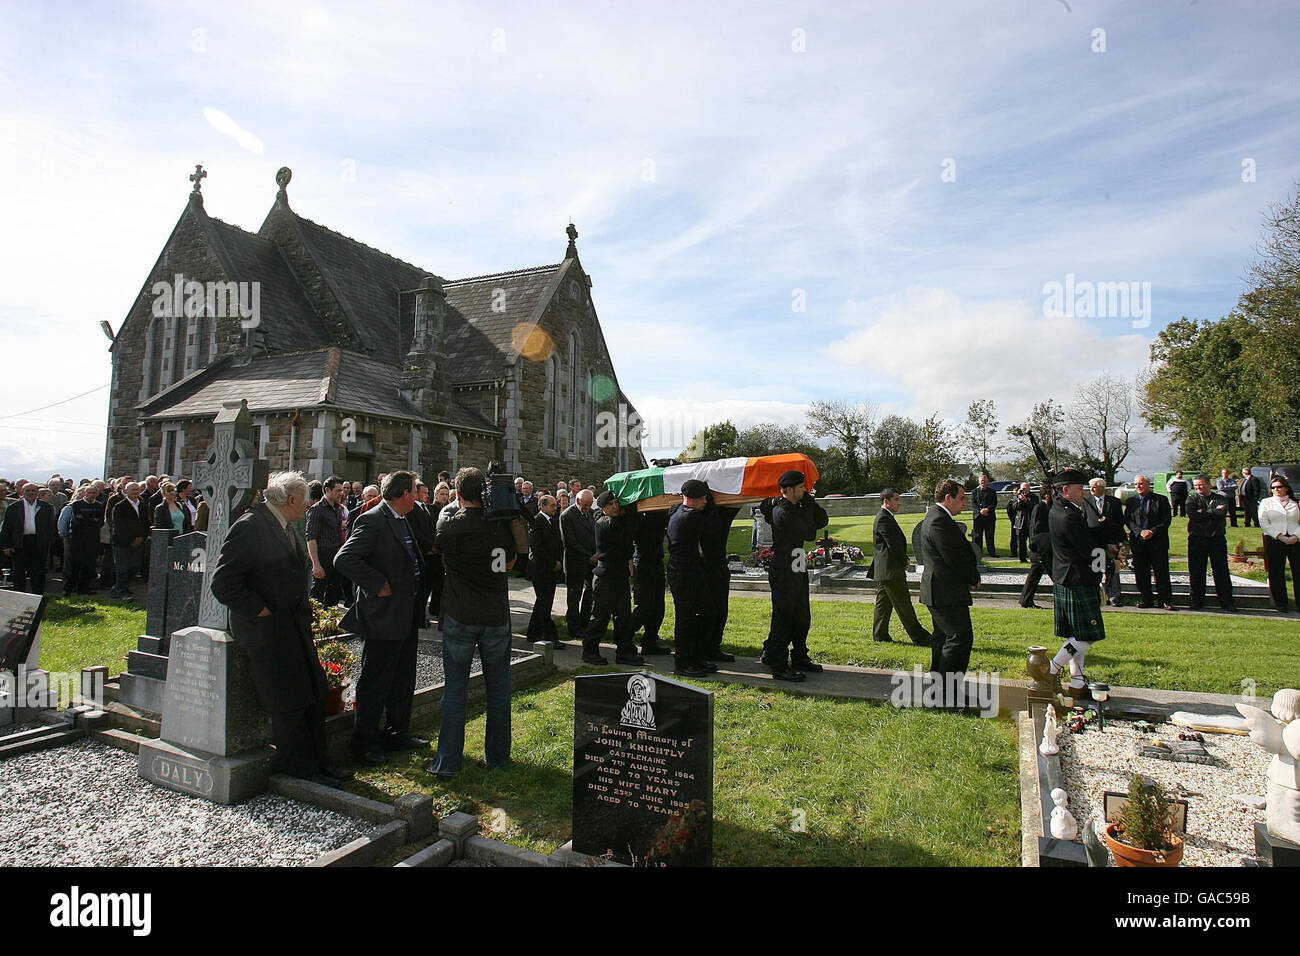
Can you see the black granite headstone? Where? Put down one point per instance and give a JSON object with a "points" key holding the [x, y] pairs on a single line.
{"points": [[643, 770], [20, 617], [185, 563], [155, 621]]}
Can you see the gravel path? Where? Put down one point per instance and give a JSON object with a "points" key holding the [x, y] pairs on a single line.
{"points": [[86, 805], [1220, 830]]}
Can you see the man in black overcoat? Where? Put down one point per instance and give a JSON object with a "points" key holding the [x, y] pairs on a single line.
{"points": [[545, 558], [261, 577], [951, 573], [578, 533]]}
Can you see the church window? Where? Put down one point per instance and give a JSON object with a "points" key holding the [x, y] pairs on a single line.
{"points": [[551, 401]]}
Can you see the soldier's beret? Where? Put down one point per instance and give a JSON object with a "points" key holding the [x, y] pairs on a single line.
{"points": [[694, 488], [1070, 476], [790, 479], [605, 498]]}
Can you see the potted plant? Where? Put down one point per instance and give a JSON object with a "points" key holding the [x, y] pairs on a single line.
{"points": [[326, 622], [336, 661], [1144, 835]]}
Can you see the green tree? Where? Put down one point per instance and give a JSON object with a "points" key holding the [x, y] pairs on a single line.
{"points": [[712, 441], [769, 438], [1047, 423], [979, 433], [934, 454], [891, 446], [849, 427]]}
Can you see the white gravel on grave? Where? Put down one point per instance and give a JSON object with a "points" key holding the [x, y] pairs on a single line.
{"points": [[1220, 829], [85, 804]]}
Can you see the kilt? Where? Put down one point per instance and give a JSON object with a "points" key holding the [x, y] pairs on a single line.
{"points": [[1077, 612]]}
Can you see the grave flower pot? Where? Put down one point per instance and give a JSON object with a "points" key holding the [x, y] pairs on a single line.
{"points": [[1126, 855], [334, 705]]}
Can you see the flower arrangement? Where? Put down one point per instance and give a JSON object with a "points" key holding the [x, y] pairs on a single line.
{"points": [[337, 660], [326, 622], [682, 838]]}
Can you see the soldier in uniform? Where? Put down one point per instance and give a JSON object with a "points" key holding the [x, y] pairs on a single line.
{"points": [[648, 580], [795, 518], [686, 579], [713, 544], [1078, 561], [611, 587]]}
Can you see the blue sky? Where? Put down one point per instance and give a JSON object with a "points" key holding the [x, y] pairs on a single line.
{"points": [[715, 172]]}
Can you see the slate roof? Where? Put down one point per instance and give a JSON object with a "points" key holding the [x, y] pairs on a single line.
{"points": [[287, 316], [479, 340], [329, 378]]}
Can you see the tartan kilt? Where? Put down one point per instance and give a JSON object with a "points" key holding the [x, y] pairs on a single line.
{"points": [[1077, 612]]}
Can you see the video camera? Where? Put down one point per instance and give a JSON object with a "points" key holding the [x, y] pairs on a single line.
{"points": [[499, 501]]}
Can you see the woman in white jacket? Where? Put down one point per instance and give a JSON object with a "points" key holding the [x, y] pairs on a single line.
{"points": [[1279, 519]]}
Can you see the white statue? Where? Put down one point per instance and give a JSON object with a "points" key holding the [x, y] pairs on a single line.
{"points": [[1050, 730], [1279, 734], [1063, 824]]}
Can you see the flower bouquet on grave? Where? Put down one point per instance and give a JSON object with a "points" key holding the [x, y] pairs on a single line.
{"points": [[681, 838], [336, 660], [326, 622]]}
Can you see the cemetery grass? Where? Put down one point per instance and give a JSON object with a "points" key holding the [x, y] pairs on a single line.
{"points": [[84, 631], [1212, 653], [857, 530], [798, 780]]}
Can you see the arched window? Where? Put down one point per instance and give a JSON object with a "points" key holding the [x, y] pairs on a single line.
{"points": [[591, 413], [551, 401], [575, 380]]}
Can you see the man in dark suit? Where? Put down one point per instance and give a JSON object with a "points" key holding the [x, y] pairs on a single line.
{"points": [[422, 525], [261, 576], [686, 580], [611, 588], [26, 534], [324, 531], [951, 573], [1022, 521], [528, 502], [889, 570], [1076, 573], [545, 559], [383, 560], [1105, 517], [984, 500], [87, 521], [131, 529], [578, 533], [1147, 516], [1207, 540], [1252, 489]]}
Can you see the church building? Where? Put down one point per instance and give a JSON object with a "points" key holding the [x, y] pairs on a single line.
{"points": [[356, 363]]}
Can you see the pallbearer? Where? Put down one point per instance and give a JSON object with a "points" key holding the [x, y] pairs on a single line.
{"points": [[1078, 564], [713, 544], [686, 579], [648, 580], [611, 587], [795, 518]]}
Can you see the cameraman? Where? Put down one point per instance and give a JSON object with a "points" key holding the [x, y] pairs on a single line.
{"points": [[477, 556]]}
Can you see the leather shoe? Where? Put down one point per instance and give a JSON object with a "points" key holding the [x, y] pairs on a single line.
{"points": [[629, 658], [1144, 604], [690, 670], [404, 742], [786, 672], [721, 656], [654, 650], [883, 640], [371, 758], [709, 666], [337, 773], [593, 659], [806, 665]]}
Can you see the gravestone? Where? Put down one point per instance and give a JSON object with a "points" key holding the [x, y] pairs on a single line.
{"points": [[24, 687], [643, 770], [214, 732], [172, 604]]}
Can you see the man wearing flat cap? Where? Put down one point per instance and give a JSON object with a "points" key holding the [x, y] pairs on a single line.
{"points": [[795, 518], [687, 580], [612, 595], [1078, 563]]}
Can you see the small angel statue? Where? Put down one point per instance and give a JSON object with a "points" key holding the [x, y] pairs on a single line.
{"points": [[1062, 824], [1279, 734]]}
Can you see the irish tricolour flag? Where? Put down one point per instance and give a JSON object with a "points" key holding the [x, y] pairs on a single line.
{"points": [[732, 480]]}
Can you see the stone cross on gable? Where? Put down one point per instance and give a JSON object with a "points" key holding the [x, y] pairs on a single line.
{"points": [[198, 176], [228, 477]]}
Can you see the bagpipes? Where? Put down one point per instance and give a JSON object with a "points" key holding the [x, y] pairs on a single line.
{"points": [[1048, 473]]}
